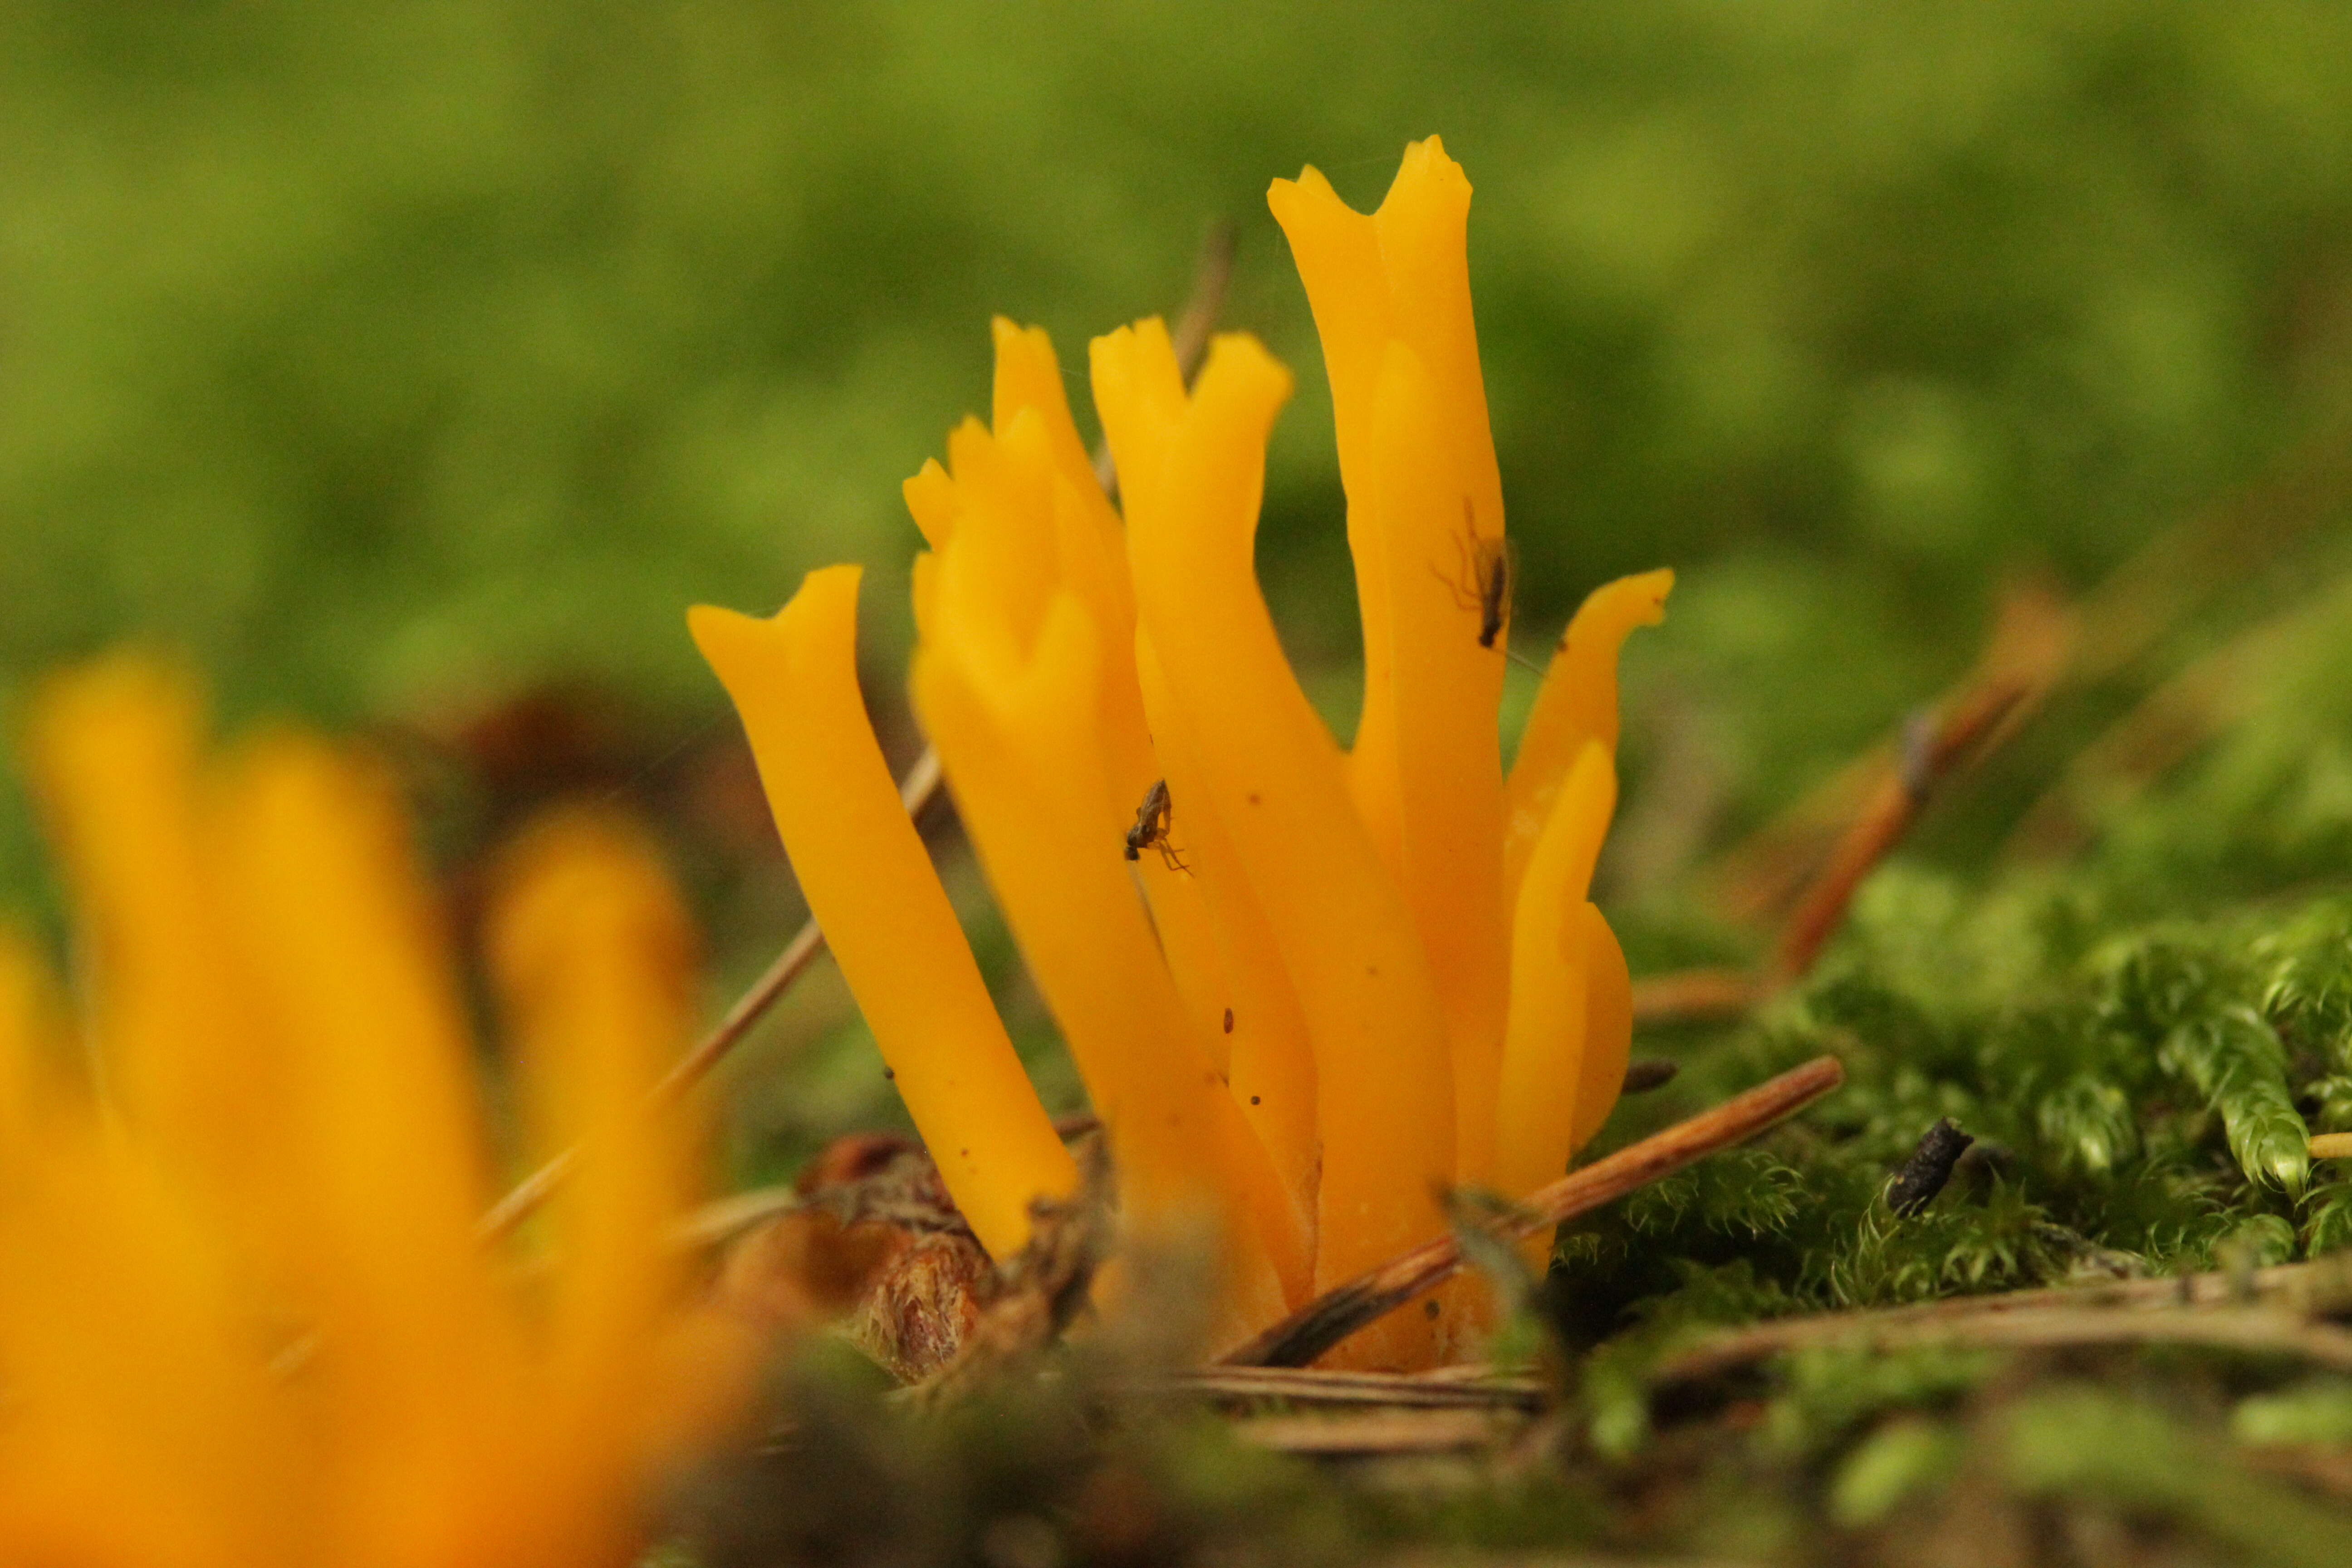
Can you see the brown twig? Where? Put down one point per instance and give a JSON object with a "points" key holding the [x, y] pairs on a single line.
{"points": [[2177, 570], [720, 1222], [2321, 1287], [2258, 1329], [1338, 1312], [2297, 1293], [918, 790], [2197, 703], [2033, 636], [2047, 648], [1694, 994], [1312, 1386], [1811, 867], [1211, 276], [1371, 1433], [1933, 750]]}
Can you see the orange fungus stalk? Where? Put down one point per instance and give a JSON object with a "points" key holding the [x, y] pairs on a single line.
{"points": [[1322, 984]]}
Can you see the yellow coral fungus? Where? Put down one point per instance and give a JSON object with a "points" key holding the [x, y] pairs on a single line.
{"points": [[246, 1318], [1330, 982]]}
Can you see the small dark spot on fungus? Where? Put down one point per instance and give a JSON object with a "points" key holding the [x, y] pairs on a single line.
{"points": [[1253, 797], [1252, 1100], [965, 1152], [1429, 1311], [1229, 1020], [891, 1073], [1372, 969]]}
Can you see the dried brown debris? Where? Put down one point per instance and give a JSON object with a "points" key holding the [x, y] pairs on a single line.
{"points": [[1039, 1291], [874, 1244]]}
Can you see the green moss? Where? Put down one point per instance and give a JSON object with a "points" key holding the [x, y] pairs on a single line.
{"points": [[2086, 1442], [1895, 1462]]}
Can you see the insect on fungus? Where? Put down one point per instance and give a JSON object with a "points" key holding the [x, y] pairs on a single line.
{"points": [[1482, 579], [1152, 819]]}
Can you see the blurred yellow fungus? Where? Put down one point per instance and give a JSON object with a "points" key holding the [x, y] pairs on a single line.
{"points": [[1359, 976], [247, 1319]]}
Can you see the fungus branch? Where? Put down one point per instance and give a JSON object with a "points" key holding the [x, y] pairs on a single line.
{"points": [[1211, 276]]}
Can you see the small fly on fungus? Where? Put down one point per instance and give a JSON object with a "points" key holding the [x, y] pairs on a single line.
{"points": [[1482, 579], [1152, 819]]}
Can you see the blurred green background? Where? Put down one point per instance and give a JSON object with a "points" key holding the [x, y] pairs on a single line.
{"points": [[400, 361]]}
